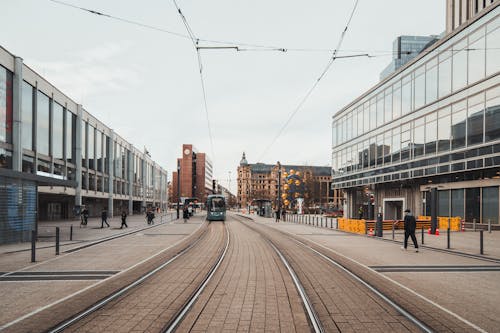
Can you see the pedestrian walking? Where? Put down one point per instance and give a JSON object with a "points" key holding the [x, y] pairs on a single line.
{"points": [[360, 212], [104, 218], [283, 215], [185, 214], [410, 227], [190, 210], [278, 213], [124, 219], [84, 216]]}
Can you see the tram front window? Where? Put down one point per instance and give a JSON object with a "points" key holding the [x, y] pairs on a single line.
{"points": [[217, 205]]}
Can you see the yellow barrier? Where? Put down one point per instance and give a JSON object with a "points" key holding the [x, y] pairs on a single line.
{"points": [[455, 222], [352, 225]]}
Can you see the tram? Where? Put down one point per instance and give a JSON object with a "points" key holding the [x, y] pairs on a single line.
{"points": [[216, 208]]}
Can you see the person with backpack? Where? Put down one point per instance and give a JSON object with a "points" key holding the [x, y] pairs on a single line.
{"points": [[410, 227]]}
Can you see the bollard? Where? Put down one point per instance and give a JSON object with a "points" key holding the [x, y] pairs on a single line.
{"points": [[423, 235], [57, 241], [489, 226], [473, 224], [481, 249], [33, 245], [71, 232], [321, 221], [448, 238], [393, 231]]}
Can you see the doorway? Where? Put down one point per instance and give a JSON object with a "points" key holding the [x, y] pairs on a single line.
{"points": [[393, 208]]}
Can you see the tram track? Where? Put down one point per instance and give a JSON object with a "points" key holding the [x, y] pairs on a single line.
{"points": [[417, 314], [88, 302]]}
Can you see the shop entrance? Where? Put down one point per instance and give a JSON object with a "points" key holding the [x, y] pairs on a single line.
{"points": [[393, 208]]}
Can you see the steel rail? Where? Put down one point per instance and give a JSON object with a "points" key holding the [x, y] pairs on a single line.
{"points": [[402, 311], [313, 316], [65, 324], [180, 316]]}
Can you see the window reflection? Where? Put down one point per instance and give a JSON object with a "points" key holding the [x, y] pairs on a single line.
{"points": [[477, 60], [57, 131], [493, 52], [42, 128], [5, 105], [475, 120], [27, 116], [445, 77], [459, 68], [458, 126]]}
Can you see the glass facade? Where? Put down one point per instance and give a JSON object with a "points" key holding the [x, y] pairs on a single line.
{"points": [[27, 116], [432, 118], [5, 105], [57, 131], [42, 123]]}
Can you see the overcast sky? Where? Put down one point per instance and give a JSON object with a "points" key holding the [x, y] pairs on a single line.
{"points": [[145, 84]]}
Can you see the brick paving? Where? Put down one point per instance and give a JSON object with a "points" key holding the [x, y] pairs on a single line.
{"points": [[153, 303], [162, 248], [251, 292], [473, 296], [342, 304]]}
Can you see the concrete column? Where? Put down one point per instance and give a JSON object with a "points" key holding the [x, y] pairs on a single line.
{"points": [[111, 171], [130, 161], [78, 155], [17, 87], [144, 178]]}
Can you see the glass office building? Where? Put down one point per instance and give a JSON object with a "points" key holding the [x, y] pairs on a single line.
{"points": [[435, 123], [56, 157]]}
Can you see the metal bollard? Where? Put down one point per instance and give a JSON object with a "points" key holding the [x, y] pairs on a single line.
{"points": [[57, 241], [33, 245], [423, 235], [448, 238], [481, 248], [71, 232], [393, 231], [489, 226], [473, 224]]}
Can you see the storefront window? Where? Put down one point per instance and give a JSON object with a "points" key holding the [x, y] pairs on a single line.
{"points": [[472, 204], [490, 204], [457, 203], [27, 116], [443, 203], [57, 131], [5, 105], [42, 127]]}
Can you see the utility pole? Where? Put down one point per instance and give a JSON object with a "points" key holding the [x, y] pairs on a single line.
{"points": [[278, 208]]}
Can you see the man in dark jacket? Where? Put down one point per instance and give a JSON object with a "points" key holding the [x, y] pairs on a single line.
{"points": [[410, 227], [104, 218], [124, 219]]}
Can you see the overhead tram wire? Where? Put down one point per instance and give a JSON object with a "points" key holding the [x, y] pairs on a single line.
{"points": [[310, 91], [242, 46], [195, 42]]}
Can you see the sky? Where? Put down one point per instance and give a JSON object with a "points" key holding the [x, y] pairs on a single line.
{"points": [[145, 84]]}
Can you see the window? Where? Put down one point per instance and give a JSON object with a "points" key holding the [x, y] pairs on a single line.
{"points": [[430, 134], [70, 126], [419, 87], [98, 150], [396, 144], [477, 56], [457, 203], [366, 117], [42, 128], [373, 114], [84, 144], [406, 105], [444, 132], [459, 66], [443, 203], [27, 116], [91, 145], [418, 137], [396, 101], [388, 105], [475, 120], [444, 73], [492, 115], [380, 109], [493, 51], [57, 131], [472, 204], [431, 83], [490, 205], [458, 125], [5, 105]]}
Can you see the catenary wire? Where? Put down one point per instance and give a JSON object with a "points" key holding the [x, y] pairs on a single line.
{"points": [[310, 91], [243, 46], [195, 42]]}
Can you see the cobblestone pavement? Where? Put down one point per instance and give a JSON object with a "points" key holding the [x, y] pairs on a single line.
{"points": [[251, 292], [128, 257], [467, 287]]}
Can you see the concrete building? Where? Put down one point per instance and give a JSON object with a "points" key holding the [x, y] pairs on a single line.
{"points": [[196, 173], [260, 181], [460, 12], [430, 129], [404, 49], [55, 157]]}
